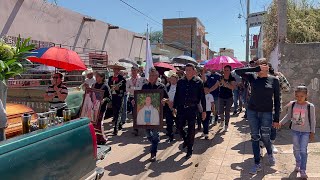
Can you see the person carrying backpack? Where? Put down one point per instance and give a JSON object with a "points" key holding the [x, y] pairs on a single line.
{"points": [[301, 113]]}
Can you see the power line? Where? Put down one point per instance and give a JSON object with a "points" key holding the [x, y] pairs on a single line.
{"points": [[141, 12], [242, 8]]}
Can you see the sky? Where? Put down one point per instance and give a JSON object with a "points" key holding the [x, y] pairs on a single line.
{"points": [[220, 17]]}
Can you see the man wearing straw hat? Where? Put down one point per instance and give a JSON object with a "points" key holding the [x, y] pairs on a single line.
{"points": [[90, 79], [117, 83]]}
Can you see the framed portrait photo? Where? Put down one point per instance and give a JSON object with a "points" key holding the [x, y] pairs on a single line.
{"points": [[148, 112], [91, 104]]}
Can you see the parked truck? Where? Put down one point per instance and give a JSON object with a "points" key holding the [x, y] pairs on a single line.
{"points": [[67, 151]]}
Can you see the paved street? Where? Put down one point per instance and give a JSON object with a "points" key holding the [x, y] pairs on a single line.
{"points": [[224, 156]]}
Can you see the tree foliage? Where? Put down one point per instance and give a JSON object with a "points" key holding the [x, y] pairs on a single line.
{"points": [[12, 58], [155, 98], [303, 24], [155, 37]]}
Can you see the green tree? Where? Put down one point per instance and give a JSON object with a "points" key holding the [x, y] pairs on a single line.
{"points": [[12, 59], [156, 37], [303, 24], [155, 98]]}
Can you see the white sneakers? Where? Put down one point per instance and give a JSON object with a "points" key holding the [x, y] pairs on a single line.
{"points": [[274, 149]]}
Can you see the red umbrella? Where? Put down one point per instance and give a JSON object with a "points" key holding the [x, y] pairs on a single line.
{"points": [[165, 66], [58, 57]]}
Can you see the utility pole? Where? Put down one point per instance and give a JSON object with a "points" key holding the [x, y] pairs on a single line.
{"points": [[191, 40], [247, 32], [282, 20]]}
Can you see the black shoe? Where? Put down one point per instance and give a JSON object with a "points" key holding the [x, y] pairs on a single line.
{"points": [[170, 139], [102, 142], [135, 132], [188, 156], [184, 145], [120, 127], [115, 133], [234, 113], [153, 157], [245, 116]]}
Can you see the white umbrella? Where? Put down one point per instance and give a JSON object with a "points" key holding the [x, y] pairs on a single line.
{"points": [[128, 60], [43, 68], [184, 60]]}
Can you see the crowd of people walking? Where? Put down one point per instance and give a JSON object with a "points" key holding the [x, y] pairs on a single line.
{"points": [[205, 97], [202, 97]]}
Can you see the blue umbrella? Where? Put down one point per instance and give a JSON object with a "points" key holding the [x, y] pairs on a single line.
{"points": [[204, 62]]}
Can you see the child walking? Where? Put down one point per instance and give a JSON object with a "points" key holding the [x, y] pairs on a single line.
{"points": [[209, 106], [303, 123]]}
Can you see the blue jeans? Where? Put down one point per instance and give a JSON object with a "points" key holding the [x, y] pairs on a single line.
{"points": [[260, 125], [236, 95], [300, 144], [154, 138], [2, 134], [124, 110]]}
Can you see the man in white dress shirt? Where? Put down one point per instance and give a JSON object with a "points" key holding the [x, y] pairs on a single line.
{"points": [[134, 83], [168, 109]]}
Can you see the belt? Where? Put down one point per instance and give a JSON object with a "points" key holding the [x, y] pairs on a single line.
{"points": [[189, 106]]}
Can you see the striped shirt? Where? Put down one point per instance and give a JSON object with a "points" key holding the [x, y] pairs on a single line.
{"points": [[55, 102]]}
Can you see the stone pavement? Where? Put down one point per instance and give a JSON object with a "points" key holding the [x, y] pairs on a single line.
{"points": [[230, 156]]}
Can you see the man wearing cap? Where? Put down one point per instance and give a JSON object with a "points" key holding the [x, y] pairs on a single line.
{"points": [[189, 94], [134, 83], [117, 83], [90, 79], [211, 79], [168, 109]]}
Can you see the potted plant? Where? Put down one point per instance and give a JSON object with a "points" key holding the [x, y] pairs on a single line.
{"points": [[12, 59]]}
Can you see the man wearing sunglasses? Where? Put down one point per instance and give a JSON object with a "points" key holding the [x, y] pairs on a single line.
{"points": [[56, 94]]}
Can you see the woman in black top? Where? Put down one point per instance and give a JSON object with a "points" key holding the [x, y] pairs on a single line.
{"points": [[100, 84], [226, 84]]}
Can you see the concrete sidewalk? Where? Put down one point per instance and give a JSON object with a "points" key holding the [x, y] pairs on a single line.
{"points": [[230, 156]]}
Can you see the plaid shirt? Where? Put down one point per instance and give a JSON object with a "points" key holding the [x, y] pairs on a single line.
{"points": [[284, 83]]}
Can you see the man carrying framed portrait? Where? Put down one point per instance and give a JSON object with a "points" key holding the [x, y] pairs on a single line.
{"points": [[149, 110]]}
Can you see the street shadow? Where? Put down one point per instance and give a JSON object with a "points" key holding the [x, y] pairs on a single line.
{"points": [[169, 165], [11, 18], [131, 167], [293, 175], [244, 168], [241, 147], [241, 126]]}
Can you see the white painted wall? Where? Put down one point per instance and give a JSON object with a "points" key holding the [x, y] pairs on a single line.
{"points": [[46, 22]]}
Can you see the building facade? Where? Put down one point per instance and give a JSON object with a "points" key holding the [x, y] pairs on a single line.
{"points": [[54, 25], [226, 52], [188, 33]]}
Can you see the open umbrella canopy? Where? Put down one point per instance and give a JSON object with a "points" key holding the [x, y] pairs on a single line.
{"points": [[184, 60], [204, 62], [164, 66], [43, 68], [128, 60], [58, 57], [219, 62]]}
